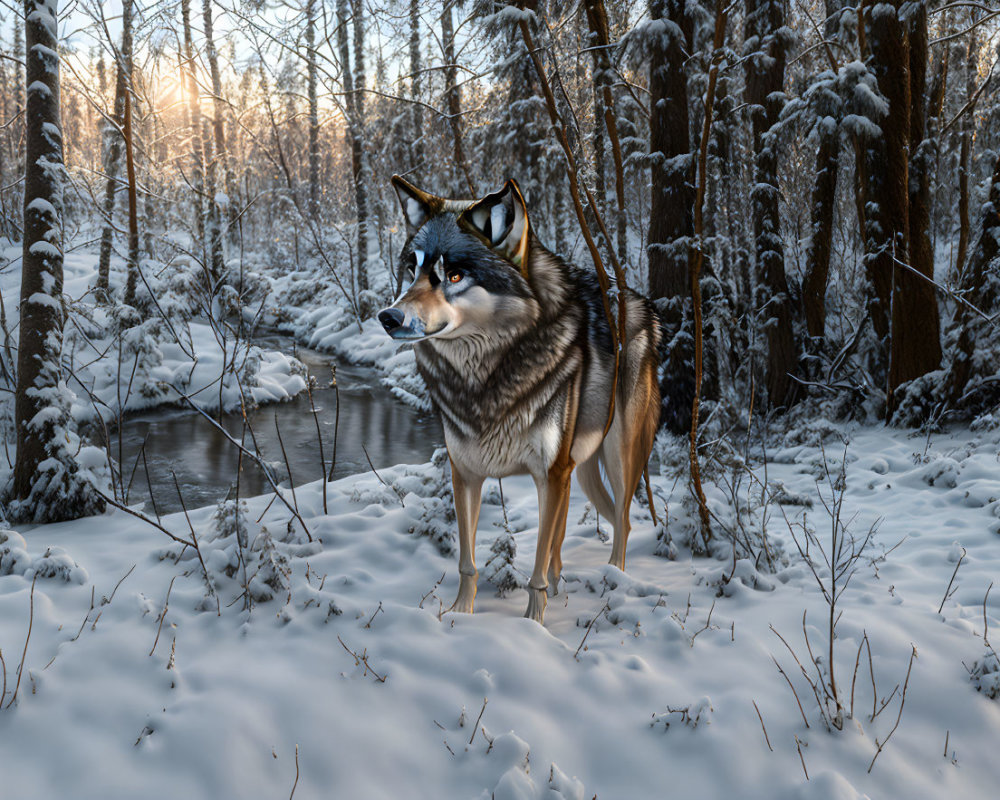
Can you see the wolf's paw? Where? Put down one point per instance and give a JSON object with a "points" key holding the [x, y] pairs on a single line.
{"points": [[466, 595], [536, 605]]}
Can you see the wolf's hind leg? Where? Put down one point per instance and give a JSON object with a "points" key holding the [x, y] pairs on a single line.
{"points": [[626, 451], [468, 497], [589, 475], [616, 461]]}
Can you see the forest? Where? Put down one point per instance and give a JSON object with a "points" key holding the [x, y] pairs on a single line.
{"points": [[198, 228]]}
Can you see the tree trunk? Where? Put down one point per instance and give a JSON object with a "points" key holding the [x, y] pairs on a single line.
{"points": [[193, 122], [903, 305], [15, 130], [218, 126], [213, 221], [765, 96], [824, 196], [354, 81], [416, 110], [112, 161], [824, 201], [46, 485], [311, 70], [133, 197], [965, 154], [605, 118], [672, 196], [979, 288], [454, 95], [917, 350]]}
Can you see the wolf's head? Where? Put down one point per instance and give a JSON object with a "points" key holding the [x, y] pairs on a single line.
{"points": [[465, 263]]}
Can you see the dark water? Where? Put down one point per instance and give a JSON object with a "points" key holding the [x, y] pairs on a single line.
{"points": [[205, 461]]}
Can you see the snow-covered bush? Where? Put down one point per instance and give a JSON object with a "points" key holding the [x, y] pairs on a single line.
{"points": [[499, 568], [437, 518], [985, 674]]}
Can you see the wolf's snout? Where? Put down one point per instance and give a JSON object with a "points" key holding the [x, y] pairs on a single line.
{"points": [[391, 319]]}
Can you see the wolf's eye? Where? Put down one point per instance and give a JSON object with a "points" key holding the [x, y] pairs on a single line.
{"points": [[455, 276]]}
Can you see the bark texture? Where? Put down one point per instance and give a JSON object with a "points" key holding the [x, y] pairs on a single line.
{"points": [[113, 147], [47, 484], [765, 96], [202, 212], [823, 199], [672, 167], [354, 82], [903, 306]]}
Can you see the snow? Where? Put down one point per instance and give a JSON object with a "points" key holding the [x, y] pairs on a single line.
{"points": [[165, 371], [639, 681], [45, 249], [43, 206], [41, 88], [45, 52], [47, 300]]}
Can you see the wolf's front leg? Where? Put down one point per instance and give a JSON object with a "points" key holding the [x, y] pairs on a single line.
{"points": [[553, 505], [468, 496]]}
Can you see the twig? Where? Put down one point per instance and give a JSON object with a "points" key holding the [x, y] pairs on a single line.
{"points": [[149, 485], [92, 589], [24, 653], [372, 617], [294, 785], [708, 623], [607, 605], [902, 701], [790, 686], [114, 503], [319, 439], [431, 590], [857, 662], [953, 574], [288, 467], [986, 623], [197, 548], [798, 746], [362, 659], [107, 600], [766, 739], [163, 614], [336, 420], [478, 720]]}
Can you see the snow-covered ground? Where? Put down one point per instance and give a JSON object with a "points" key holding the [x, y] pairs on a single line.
{"points": [[353, 681]]}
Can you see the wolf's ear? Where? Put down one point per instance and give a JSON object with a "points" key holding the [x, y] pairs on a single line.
{"points": [[418, 205], [500, 220]]}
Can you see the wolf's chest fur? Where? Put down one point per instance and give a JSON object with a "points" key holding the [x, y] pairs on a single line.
{"points": [[505, 400]]}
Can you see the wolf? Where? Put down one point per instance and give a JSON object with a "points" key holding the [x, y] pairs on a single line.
{"points": [[514, 346]]}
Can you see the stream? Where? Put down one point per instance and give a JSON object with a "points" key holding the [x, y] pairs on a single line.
{"points": [[205, 462]]}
